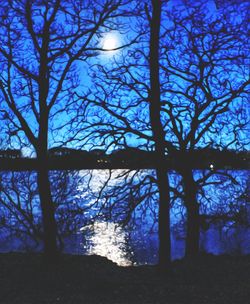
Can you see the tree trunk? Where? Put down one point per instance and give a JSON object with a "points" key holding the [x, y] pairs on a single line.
{"points": [[159, 138], [48, 213], [164, 219], [46, 201], [193, 226], [47, 206]]}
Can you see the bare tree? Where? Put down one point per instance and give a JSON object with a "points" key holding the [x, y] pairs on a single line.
{"points": [[205, 91], [200, 94], [40, 45], [126, 108]]}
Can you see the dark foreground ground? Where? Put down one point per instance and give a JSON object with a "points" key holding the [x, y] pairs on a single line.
{"points": [[25, 279]]}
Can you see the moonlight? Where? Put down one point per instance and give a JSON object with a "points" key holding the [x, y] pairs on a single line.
{"points": [[110, 43]]}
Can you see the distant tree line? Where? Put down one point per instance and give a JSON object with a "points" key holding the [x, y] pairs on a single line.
{"points": [[199, 158]]}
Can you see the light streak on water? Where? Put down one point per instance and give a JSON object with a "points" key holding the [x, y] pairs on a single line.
{"points": [[106, 239]]}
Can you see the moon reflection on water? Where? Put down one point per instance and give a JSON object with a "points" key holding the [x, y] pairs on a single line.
{"points": [[106, 239]]}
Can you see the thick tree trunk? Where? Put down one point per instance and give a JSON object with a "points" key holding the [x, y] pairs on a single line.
{"points": [[193, 226], [47, 206], [48, 213], [159, 138], [46, 201]]}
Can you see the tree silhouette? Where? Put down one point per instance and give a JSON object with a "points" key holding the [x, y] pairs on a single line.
{"points": [[207, 83], [117, 117], [41, 43], [178, 93], [199, 98]]}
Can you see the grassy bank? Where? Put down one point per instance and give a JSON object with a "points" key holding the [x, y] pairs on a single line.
{"points": [[25, 279]]}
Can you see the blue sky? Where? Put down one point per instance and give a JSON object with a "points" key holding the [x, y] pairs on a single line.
{"points": [[89, 81]]}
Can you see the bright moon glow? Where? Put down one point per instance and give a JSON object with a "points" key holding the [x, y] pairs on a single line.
{"points": [[110, 43]]}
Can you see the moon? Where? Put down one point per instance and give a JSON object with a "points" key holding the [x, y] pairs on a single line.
{"points": [[110, 43]]}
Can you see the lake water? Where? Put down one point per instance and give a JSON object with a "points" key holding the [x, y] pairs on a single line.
{"points": [[126, 248], [137, 242]]}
